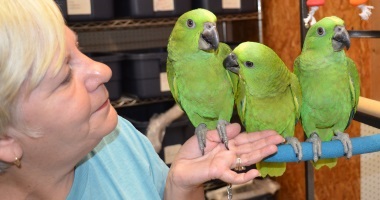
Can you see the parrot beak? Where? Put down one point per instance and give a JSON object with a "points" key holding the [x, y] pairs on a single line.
{"points": [[230, 63], [340, 39], [209, 38]]}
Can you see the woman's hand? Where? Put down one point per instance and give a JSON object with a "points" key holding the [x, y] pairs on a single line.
{"points": [[190, 169]]}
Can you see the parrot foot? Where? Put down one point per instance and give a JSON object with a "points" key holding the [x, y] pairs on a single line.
{"points": [[317, 145], [201, 131], [221, 127], [346, 141], [296, 146]]}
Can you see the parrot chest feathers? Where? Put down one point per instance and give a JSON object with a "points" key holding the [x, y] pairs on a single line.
{"points": [[326, 107], [268, 113], [309, 61], [267, 88]]}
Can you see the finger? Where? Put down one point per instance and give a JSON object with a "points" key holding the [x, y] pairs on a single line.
{"points": [[232, 130], [212, 135], [254, 136], [239, 178], [253, 157], [258, 144]]}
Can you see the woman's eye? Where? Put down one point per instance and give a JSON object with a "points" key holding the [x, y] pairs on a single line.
{"points": [[190, 23], [249, 64], [321, 31], [67, 78]]}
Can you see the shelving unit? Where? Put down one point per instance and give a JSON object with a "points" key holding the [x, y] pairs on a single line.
{"points": [[131, 34], [149, 22]]}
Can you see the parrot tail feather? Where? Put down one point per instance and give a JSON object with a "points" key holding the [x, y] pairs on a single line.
{"points": [[331, 162], [271, 169]]}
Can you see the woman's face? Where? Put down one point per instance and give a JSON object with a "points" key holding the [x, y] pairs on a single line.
{"points": [[70, 111]]}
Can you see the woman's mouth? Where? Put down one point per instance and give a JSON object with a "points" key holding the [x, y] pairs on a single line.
{"points": [[105, 104]]}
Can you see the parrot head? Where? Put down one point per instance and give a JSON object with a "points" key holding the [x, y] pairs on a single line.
{"points": [[256, 64], [196, 30], [328, 32]]}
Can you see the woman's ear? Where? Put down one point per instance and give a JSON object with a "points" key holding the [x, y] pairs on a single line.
{"points": [[10, 150]]}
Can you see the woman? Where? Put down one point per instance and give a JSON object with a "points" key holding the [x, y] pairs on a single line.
{"points": [[61, 139]]}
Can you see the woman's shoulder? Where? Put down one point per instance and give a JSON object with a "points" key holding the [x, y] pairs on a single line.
{"points": [[123, 158]]}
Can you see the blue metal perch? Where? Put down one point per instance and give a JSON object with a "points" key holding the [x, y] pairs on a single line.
{"points": [[331, 149]]}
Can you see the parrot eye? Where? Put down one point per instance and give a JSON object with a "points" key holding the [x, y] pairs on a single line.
{"points": [[249, 64], [321, 31], [190, 23]]}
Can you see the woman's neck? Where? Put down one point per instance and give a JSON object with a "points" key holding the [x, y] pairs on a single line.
{"points": [[21, 183]]}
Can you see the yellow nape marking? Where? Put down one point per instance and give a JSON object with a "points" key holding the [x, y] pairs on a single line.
{"points": [[336, 20]]}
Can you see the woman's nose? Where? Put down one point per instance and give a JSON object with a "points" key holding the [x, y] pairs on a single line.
{"points": [[97, 74]]}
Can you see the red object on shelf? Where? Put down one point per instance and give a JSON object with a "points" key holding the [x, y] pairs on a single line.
{"points": [[316, 2], [357, 2]]}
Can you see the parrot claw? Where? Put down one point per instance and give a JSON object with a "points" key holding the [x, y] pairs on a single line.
{"points": [[317, 145], [346, 141], [221, 127], [296, 146], [201, 131]]}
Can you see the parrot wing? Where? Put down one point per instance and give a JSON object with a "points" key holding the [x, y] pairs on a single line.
{"points": [[354, 87], [224, 50], [296, 65], [243, 103], [240, 100], [295, 88], [172, 83]]}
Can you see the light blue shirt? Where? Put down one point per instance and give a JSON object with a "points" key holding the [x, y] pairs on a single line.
{"points": [[124, 165]]}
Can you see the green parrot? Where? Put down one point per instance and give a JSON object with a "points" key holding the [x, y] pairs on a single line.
{"points": [[268, 96], [330, 86], [197, 79]]}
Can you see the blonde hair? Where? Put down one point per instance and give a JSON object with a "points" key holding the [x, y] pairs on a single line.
{"points": [[31, 34]]}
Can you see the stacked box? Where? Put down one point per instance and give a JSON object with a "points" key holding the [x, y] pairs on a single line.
{"points": [[151, 8], [144, 73], [226, 6], [91, 10]]}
